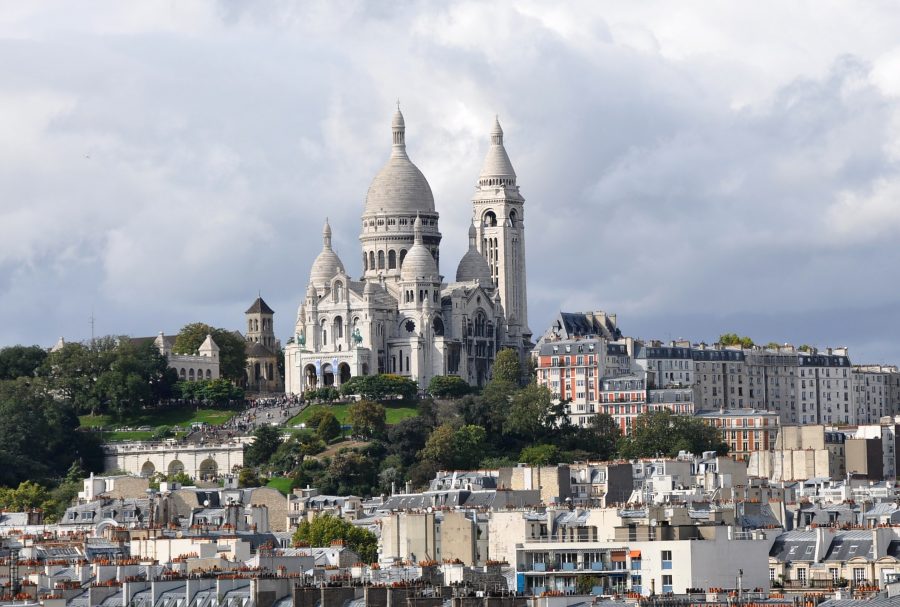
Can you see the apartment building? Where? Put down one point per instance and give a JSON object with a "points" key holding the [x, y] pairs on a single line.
{"points": [[646, 551], [745, 431]]}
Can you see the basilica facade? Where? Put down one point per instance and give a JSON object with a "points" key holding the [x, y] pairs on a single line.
{"points": [[402, 315]]}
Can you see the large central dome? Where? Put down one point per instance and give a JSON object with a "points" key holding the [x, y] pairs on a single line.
{"points": [[399, 187]]}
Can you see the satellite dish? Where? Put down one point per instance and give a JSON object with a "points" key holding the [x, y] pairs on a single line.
{"points": [[653, 522], [206, 503], [429, 509]]}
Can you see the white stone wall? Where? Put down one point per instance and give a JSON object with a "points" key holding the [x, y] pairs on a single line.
{"points": [[196, 460]]}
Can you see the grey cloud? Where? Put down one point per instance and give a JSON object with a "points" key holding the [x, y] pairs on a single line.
{"points": [[690, 186]]}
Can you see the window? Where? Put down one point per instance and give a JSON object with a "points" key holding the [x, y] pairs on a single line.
{"points": [[801, 575], [771, 574], [859, 574], [667, 583], [666, 560]]}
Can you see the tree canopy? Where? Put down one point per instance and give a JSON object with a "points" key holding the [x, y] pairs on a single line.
{"points": [[232, 348], [665, 433], [266, 440], [213, 391], [448, 386], [380, 387], [323, 530], [733, 339], [109, 375], [38, 441], [507, 367], [368, 419], [21, 361]]}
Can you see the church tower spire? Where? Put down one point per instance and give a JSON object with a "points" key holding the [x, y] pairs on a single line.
{"points": [[499, 211]]}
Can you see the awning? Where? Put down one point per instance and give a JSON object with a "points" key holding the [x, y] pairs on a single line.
{"points": [[635, 554], [617, 557]]}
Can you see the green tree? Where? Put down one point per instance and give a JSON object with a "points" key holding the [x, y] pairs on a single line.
{"points": [[448, 386], [325, 424], [406, 439], [379, 387], [266, 440], [601, 437], [247, 477], [772, 345], [328, 428], [454, 449], [490, 409], [368, 419], [540, 455], [350, 472], [665, 433], [532, 413], [323, 530], [21, 361], [327, 394], [219, 391], [733, 339], [38, 441], [111, 375], [26, 496], [507, 367], [232, 348], [804, 348]]}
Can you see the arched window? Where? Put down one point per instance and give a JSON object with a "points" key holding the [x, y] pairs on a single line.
{"points": [[392, 260], [249, 325], [324, 332], [402, 256], [338, 292], [512, 218], [181, 373], [191, 374], [337, 330], [208, 374], [380, 260], [371, 260], [490, 219], [365, 262]]}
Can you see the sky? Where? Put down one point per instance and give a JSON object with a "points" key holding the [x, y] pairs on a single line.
{"points": [[694, 167]]}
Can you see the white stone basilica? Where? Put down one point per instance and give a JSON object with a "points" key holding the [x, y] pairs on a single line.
{"points": [[401, 317]]}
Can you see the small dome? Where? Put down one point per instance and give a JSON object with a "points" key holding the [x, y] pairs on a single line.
{"points": [[399, 187], [327, 265], [473, 266], [418, 262]]}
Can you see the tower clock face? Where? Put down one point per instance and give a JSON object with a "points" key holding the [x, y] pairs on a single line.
{"points": [[410, 326]]}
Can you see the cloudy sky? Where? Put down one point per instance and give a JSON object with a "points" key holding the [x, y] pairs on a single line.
{"points": [[694, 167]]}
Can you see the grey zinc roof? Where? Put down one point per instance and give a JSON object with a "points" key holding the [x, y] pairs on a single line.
{"points": [[794, 546], [851, 544], [259, 307]]}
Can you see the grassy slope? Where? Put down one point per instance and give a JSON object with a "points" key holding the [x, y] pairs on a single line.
{"points": [[394, 413], [282, 483], [154, 419]]}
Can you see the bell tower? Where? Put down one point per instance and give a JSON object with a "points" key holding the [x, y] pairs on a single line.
{"points": [[260, 327], [499, 211]]}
